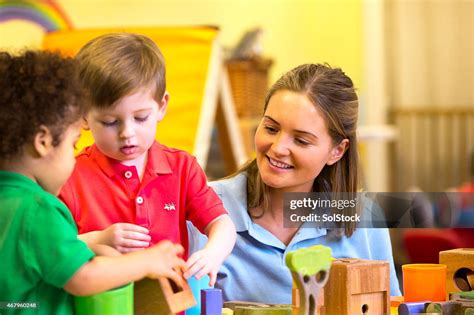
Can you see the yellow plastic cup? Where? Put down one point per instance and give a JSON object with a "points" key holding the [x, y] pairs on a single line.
{"points": [[116, 301], [424, 282]]}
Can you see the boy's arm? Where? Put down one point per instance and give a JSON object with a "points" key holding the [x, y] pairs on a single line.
{"points": [[91, 238], [104, 273], [222, 235]]}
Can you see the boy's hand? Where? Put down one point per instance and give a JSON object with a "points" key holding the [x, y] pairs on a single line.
{"points": [[201, 263], [125, 237], [165, 261]]}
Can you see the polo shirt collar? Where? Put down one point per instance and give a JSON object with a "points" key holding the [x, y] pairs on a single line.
{"points": [[243, 222], [308, 231], [157, 161]]}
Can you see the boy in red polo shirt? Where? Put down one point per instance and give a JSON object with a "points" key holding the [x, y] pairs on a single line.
{"points": [[127, 190]]}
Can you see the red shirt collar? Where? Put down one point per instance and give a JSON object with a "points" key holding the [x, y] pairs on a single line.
{"points": [[157, 162]]}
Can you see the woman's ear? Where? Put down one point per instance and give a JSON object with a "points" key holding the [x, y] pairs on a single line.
{"points": [[162, 106], [338, 152], [43, 141]]}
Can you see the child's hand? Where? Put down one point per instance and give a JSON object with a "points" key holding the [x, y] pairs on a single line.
{"points": [[125, 237], [201, 263], [165, 261]]}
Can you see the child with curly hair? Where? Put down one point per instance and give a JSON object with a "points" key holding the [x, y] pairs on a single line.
{"points": [[42, 260]]}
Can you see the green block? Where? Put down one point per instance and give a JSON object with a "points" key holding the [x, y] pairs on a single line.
{"points": [[433, 307], [469, 311], [468, 295], [310, 260], [258, 310], [116, 301]]}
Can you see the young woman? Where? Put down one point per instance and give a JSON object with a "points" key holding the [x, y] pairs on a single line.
{"points": [[305, 142]]}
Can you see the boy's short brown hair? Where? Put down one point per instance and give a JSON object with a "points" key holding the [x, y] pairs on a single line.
{"points": [[37, 88], [117, 64]]}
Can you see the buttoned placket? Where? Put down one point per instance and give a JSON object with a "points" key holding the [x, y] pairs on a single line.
{"points": [[132, 181]]}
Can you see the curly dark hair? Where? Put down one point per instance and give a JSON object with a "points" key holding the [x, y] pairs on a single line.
{"points": [[37, 88]]}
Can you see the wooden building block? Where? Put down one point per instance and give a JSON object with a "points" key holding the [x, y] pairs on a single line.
{"points": [[469, 295], [263, 310], [233, 304], [450, 307], [310, 271], [460, 266], [295, 301], [469, 311], [211, 301], [357, 286], [465, 304], [227, 311], [161, 297], [463, 295], [396, 300]]}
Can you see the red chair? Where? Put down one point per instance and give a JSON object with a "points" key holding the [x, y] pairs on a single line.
{"points": [[424, 245]]}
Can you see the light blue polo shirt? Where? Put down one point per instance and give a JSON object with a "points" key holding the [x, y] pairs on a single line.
{"points": [[255, 271]]}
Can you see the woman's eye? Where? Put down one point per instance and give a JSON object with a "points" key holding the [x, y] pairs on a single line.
{"points": [[271, 129], [301, 141]]}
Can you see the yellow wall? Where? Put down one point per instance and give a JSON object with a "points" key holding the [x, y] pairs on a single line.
{"points": [[296, 31]]}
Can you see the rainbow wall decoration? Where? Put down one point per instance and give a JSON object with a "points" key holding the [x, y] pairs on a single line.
{"points": [[46, 13]]}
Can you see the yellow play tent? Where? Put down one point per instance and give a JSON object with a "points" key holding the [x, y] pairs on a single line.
{"points": [[197, 82]]}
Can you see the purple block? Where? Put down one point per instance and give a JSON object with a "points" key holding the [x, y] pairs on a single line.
{"points": [[211, 302], [411, 308]]}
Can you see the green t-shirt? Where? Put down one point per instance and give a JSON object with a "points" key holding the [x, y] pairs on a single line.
{"points": [[39, 249]]}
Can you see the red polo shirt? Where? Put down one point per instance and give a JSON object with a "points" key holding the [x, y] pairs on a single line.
{"points": [[102, 191]]}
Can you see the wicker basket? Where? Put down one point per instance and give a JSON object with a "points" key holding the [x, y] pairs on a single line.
{"points": [[249, 83]]}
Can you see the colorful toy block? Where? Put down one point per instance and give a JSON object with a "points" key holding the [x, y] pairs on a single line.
{"points": [[161, 297], [449, 307], [395, 301], [227, 311], [411, 308], [460, 269], [453, 307], [196, 287], [310, 271], [469, 311], [295, 301], [468, 295], [211, 302], [357, 286], [233, 304], [258, 310]]}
